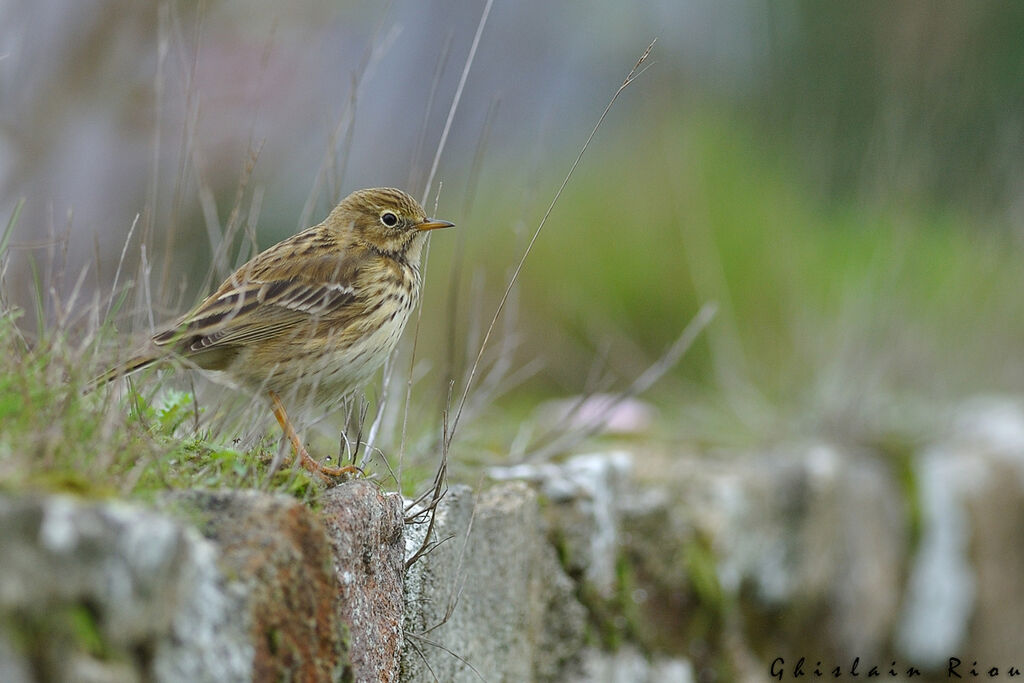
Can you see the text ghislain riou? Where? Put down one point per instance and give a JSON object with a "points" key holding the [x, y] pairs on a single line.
{"points": [[955, 669]]}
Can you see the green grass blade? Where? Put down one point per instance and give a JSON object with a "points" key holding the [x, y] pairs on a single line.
{"points": [[9, 230]]}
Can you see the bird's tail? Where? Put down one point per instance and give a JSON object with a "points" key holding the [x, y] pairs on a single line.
{"points": [[136, 363]]}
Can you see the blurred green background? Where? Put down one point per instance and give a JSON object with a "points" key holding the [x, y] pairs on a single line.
{"points": [[843, 179]]}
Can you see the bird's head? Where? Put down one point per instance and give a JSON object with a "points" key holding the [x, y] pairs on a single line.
{"points": [[385, 219]]}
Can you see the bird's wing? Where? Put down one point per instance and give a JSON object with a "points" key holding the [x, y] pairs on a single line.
{"points": [[267, 298]]}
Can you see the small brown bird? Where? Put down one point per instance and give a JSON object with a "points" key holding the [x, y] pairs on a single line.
{"points": [[313, 316]]}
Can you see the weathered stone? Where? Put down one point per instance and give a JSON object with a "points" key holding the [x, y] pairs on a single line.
{"points": [[210, 634], [583, 495], [711, 569], [278, 549], [365, 527], [810, 539], [967, 579], [627, 665], [14, 664], [490, 600], [661, 549], [108, 591]]}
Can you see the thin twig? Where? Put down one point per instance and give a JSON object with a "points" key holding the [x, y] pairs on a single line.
{"points": [[458, 259], [638, 68], [656, 371], [152, 197], [326, 173], [120, 263], [455, 100], [190, 122], [378, 417], [423, 657], [437, 491], [428, 641], [442, 61], [219, 263], [458, 580]]}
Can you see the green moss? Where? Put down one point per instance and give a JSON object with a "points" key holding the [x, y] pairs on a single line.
{"points": [[50, 636], [85, 631], [901, 454], [702, 571], [613, 621], [709, 603], [274, 641], [347, 675]]}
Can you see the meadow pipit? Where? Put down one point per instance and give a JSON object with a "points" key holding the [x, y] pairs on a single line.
{"points": [[314, 315]]}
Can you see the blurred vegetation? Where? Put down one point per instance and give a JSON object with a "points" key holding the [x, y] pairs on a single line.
{"points": [[893, 99], [852, 209], [848, 190], [831, 309]]}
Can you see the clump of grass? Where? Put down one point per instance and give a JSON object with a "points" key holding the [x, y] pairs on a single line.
{"points": [[58, 434], [57, 437]]}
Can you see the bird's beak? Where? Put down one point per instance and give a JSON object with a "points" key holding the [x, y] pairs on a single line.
{"points": [[431, 224]]}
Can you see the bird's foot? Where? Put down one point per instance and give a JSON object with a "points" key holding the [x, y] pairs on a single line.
{"points": [[307, 461], [317, 467]]}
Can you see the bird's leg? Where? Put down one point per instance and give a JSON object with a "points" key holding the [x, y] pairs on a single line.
{"points": [[307, 460]]}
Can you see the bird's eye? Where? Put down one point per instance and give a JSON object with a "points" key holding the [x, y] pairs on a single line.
{"points": [[389, 219]]}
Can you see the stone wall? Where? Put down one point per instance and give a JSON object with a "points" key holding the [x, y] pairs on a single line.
{"points": [[606, 567]]}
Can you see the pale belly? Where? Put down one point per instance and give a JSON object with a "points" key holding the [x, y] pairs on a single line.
{"points": [[318, 372]]}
